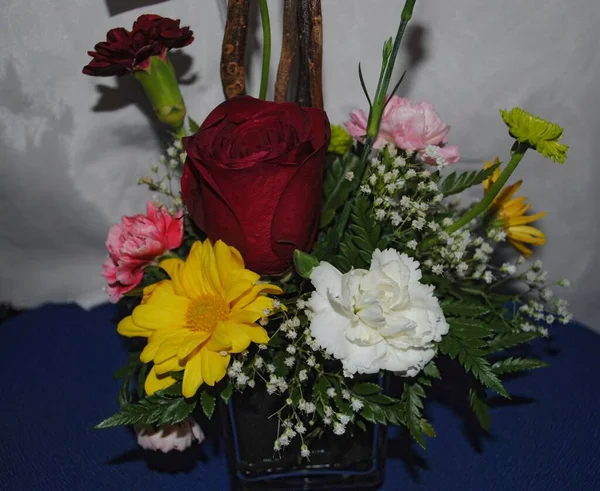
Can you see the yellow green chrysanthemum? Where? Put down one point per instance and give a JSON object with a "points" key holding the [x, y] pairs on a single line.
{"points": [[536, 132], [341, 141], [511, 216], [194, 321]]}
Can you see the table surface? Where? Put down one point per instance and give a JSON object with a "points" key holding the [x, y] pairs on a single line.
{"points": [[56, 364]]}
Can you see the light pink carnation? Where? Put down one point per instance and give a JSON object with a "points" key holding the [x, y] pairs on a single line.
{"points": [[137, 242], [170, 437], [409, 127]]}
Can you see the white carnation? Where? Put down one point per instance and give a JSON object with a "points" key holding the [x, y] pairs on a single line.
{"points": [[384, 318]]}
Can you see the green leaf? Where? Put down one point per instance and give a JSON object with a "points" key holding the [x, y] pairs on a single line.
{"points": [[426, 428], [432, 371], [208, 402], [337, 188], [413, 405], [361, 424], [463, 309], [127, 374], [141, 380], [469, 328], [226, 391], [505, 341], [456, 183], [512, 365], [193, 125], [480, 408], [366, 389], [156, 409], [304, 263], [470, 355]]}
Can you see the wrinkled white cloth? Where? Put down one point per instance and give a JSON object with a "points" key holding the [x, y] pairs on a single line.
{"points": [[72, 147]]}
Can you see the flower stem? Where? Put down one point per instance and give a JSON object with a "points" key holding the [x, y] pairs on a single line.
{"points": [[266, 62], [386, 72], [484, 204]]}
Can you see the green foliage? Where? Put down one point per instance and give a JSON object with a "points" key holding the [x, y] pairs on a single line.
{"points": [[512, 365], [456, 183], [459, 308], [508, 340], [304, 263], [412, 402], [366, 389], [208, 402], [226, 390], [466, 346], [127, 373], [159, 409], [193, 125], [431, 370], [336, 188], [477, 400]]}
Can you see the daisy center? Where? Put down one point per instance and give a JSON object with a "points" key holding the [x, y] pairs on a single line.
{"points": [[204, 313]]}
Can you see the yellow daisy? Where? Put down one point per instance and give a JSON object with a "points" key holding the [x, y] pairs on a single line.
{"points": [[195, 320], [511, 215]]}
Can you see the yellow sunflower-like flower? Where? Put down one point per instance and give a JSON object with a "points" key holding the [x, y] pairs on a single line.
{"points": [[511, 216], [195, 320], [341, 141], [538, 133]]}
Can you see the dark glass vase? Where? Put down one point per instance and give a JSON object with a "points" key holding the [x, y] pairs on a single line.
{"points": [[349, 461]]}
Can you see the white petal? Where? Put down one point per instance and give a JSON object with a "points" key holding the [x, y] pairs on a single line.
{"points": [[326, 278], [365, 359], [328, 328]]}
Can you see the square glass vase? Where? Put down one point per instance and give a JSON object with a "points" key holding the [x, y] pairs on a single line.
{"points": [[350, 461]]}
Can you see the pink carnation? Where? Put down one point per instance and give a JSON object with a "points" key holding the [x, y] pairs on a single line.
{"points": [[409, 127], [170, 437], [137, 242]]}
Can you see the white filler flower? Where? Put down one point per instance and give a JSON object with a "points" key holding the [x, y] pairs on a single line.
{"points": [[384, 318]]}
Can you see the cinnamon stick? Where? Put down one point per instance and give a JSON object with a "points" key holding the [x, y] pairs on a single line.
{"points": [[233, 68], [304, 29], [289, 45], [315, 53]]}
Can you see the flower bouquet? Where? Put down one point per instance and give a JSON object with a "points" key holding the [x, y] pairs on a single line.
{"points": [[307, 276]]}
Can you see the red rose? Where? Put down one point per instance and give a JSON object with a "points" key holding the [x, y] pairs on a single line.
{"points": [[124, 52], [253, 178]]}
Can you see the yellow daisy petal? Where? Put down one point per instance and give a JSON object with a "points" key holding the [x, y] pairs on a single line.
{"points": [[520, 247], [192, 376], [169, 346], [191, 342], [129, 329], [159, 316], [237, 336], [214, 366], [256, 333], [173, 267], [251, 295], [220, 339], [156, 382], [170, 365]]}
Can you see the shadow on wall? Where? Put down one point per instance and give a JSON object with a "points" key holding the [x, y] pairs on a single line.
{"points": [[116, 7], [128, 91]]}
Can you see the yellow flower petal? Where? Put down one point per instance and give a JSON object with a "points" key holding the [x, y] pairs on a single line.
{"points": [[238, 337], [244, 316], [129, 329], [156, 382], [169, 346], [191, 342], [220, 339], [158, 316], [170, 365], [173, 267], [192, 377], [192, 277], [256, 333], [525, 219], [214, 366], [251, 295], [520, 247]]}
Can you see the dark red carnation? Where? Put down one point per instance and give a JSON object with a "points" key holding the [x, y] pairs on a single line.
{"points": [[124, 52], [253, 178]]}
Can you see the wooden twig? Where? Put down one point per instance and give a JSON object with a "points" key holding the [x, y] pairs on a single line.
{"points": [[289, 45], [304, 29], [233, 68], [315, 54]]}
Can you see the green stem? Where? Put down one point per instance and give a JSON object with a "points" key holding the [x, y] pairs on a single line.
{"points": [[489, 197], [387, 70], [266, 62]]}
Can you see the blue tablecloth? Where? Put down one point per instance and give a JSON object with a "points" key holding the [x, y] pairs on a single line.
{"points": [[56, 364]]}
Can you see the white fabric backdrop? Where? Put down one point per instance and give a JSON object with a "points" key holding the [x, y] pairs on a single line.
{"points": [[72, 148]]}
